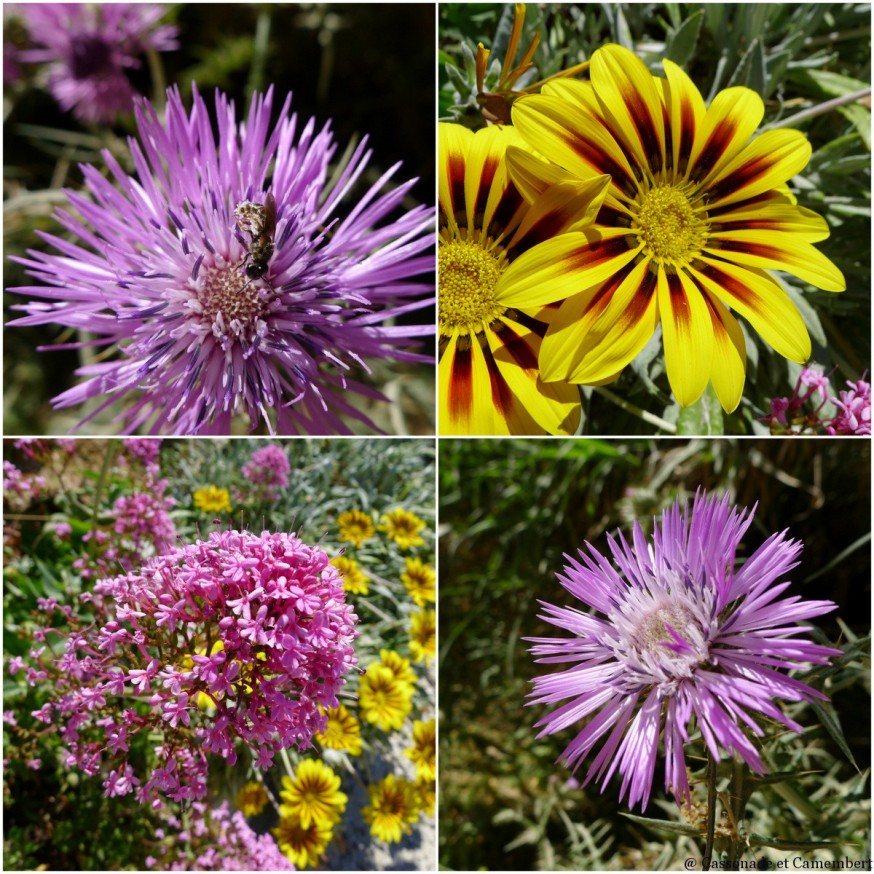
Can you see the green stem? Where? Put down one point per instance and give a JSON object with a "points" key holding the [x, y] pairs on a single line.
{"points": [[819, 109], [711, 812], [634, 410]]}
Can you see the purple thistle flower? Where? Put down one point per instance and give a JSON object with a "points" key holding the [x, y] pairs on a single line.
{"points": [[164, 273], [88, 47], [685, 635]]}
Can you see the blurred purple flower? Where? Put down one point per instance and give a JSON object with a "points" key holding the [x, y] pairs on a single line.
{"points": [[685, 634], [161, 275], [88, 47]]}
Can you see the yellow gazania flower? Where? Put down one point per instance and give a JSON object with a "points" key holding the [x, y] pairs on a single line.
{"points": [[393, 806], [403, 527], [420, 581], [342, 731], [212, 499], [696, 214], [355, 581], [302, 846], [423, 753], [423, 635], [383, 699], [314, 794], [489, 338], [252, 799], [398, 665], [355, 527], [425, 791]]}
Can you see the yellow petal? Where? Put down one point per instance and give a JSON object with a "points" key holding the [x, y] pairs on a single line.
{"points": [[598, 332], [733, 117], [769, 160], [687, 333], [565, 265], [630, 100], [761, 301]]}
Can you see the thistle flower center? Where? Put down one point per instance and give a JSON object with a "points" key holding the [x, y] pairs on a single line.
{"points": [[468, 275], [230, 302], [654, 631], [669, 225], [89, 56]]}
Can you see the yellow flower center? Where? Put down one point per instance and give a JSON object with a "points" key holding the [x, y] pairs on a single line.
{"points": [[468, 275], [669, 225]]}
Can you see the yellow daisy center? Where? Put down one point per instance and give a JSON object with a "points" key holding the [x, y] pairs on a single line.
{"points": [[468, 277], [670, 226]]}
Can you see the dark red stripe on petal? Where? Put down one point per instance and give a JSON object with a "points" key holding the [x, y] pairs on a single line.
{"points": [[732, 286], [516, 346], [490, 167], [600, 160], [596, 252], [759, 250], [687, 131], [714, 148], [502, 397], [640, 303], [534, 325], [645, 125], [456, 182], [461, 383], [507, 207], [744, 175], [680, 309]]}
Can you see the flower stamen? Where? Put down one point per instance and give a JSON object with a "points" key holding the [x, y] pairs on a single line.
{"points": [[468, 274], [669, 225]]}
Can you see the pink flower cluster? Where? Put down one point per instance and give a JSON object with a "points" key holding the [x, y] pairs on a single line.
{"points": [[854, 406], [789, 416], [221, 841], [268, 468], [237, 638], [141, 527]]}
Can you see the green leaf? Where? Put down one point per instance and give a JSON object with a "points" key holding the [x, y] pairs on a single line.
{"points": [[751, 72], [678, 828], [704, 417], [759, 841], [682, 42], [860, 117], [829, 718]]}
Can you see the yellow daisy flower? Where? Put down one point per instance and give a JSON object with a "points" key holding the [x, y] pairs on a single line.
{"points": [[355, 581], [314, 794], [403, 527], [423, 635], [425, 792], [302, 846], [393, 806], [252, 799], [355, 527], [212, 499], [384, 700], [489, 337], [398, 665], [696, 213], [420, 581], [423, 753], [342, 731]]}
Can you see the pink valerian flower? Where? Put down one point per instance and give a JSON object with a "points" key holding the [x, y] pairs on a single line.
{"points": [[89, 47], [162, 274], [684, 636], [854, 410], [141, 527], [236, 639], [268, 469], [215, 839], [803, 412]]}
